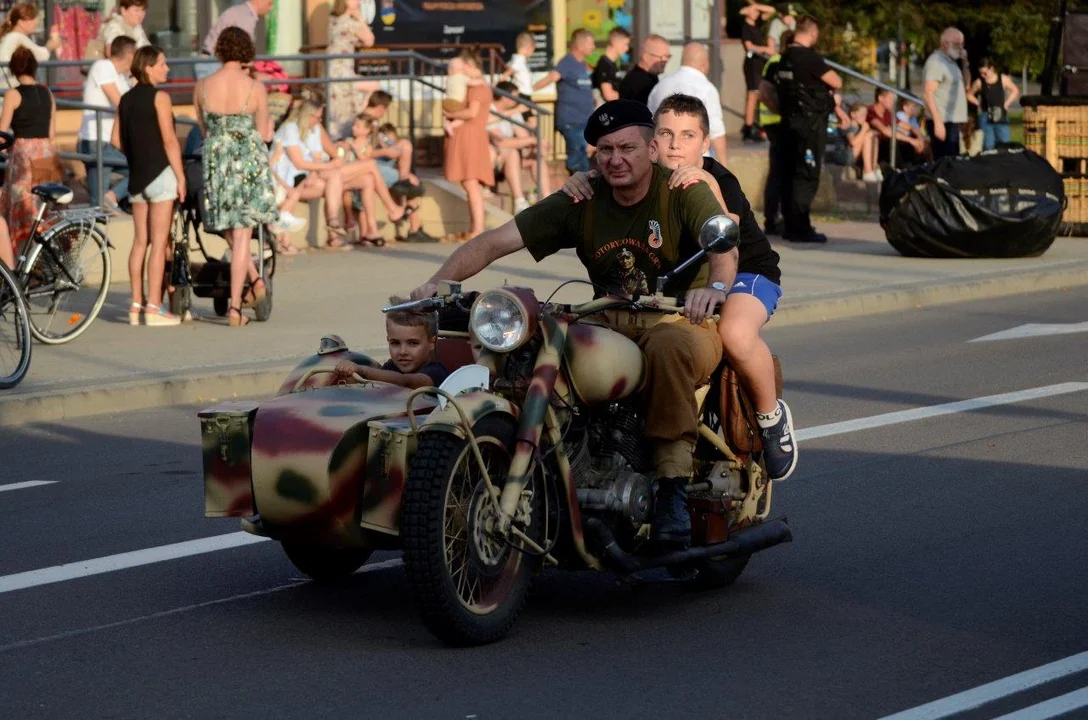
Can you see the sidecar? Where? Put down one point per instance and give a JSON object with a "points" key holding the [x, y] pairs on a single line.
{"points": [[320, 467]]}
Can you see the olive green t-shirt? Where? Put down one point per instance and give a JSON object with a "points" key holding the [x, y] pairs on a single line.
{"points": [[625, 248]]}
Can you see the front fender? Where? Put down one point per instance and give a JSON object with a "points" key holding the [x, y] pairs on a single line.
{"points": [[477, 405]]}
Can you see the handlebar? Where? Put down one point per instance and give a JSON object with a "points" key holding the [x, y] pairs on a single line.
{"points": [[430, 303]]}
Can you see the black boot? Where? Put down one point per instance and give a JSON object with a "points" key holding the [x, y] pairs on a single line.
{"points": [[672, 523]]}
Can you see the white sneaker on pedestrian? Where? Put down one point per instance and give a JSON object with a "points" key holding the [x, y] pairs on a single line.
{"points": [[289, 223], [520, 204], [871, 177]]}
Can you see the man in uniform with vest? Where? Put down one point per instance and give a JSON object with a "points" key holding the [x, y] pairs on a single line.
{"points": [[635, 226], [805, 84]]}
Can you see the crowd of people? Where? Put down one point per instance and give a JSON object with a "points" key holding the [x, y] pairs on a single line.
{"points": [[343, 149]]}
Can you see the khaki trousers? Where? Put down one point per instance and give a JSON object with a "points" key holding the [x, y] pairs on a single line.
{"points": [[680, 358]]}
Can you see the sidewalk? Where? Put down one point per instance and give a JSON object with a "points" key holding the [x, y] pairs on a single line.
{"points": [[115, 367]]}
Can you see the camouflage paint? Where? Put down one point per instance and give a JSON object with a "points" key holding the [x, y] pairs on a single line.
{"points": [[477, 405], [225, 435], [390, 445], [621, 375], [309, 458], [534, 407], [555, 436], [322, 361]]}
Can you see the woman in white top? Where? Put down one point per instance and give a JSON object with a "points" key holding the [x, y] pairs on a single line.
{"points": [[126, 19], [15, 32], [313, 164]]}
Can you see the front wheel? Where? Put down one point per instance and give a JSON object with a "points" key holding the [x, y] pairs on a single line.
{"points": [[468, 583], [68, 283], [14, 332], [325, 564]]}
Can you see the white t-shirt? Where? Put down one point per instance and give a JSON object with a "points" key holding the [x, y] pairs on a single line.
{"points": [[689, 81], [102, 73], [9, 44], [505, 128], [289, 135], [522, 76]]}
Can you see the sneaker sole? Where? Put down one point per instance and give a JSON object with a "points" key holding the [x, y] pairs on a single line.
{"points": [[793, 438]]}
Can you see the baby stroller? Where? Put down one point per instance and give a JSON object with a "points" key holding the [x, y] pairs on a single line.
{"points": [[211, 278]]}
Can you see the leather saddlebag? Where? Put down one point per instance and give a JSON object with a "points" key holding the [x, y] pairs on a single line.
{"points": [[739, 426]]}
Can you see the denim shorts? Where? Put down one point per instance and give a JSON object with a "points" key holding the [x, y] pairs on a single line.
{"points": [[760, 288], [161, 189], [387, 168]]}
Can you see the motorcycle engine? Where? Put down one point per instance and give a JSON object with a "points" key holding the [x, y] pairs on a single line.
{"points": [[611, 467]]}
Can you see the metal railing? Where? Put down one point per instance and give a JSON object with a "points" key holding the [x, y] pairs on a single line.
{"points": [[899, 92], [415, 69]]}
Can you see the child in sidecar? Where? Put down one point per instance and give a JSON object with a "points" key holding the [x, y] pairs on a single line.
{"points": [[412, 336]]}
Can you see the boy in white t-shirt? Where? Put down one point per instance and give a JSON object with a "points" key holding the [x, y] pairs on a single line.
{"points": [[107, 81], [517, 70]]}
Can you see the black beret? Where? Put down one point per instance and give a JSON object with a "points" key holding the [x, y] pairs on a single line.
{"points": [[615, 115]]}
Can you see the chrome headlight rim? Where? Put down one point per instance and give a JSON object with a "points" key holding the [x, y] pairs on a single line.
{"points": [[524, 333]]}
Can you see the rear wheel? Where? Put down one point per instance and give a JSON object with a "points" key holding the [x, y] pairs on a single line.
{"points": [[325, 564], [263, 309], [14, 332], [68, 283], [181, 300], [468, 583], [219, 304]]}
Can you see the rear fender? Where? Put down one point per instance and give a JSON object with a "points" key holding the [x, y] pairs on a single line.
{"points": [[476, 405]]}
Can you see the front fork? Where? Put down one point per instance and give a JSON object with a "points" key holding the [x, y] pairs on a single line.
{"points": [[536, 416]]}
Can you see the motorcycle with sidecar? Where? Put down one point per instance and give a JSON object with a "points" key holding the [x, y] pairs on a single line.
{"points": [[529, 457]]}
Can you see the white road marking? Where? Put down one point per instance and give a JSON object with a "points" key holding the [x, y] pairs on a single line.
{"points": [[902, 416], [136, 558], [1051, 708], [385, 564], [1035, 330], [983, 694], [24, 485], [147, 556]]}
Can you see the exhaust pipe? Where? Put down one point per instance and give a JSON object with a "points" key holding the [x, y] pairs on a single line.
{"points": [[743, 542]]}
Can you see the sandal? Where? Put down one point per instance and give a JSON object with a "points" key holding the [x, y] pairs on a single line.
{"points": [[371, 241], [135, 311], [256, 293], [288, 248], [338, 243], [235, 318]]}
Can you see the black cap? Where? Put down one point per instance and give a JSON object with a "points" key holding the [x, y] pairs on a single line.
{"points": [[615, 115]]}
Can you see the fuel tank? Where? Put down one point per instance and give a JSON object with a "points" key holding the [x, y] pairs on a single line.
{"points": [[604, 365]]}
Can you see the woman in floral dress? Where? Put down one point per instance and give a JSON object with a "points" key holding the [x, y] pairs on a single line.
{"points": [[238, 185], [349, 29]]}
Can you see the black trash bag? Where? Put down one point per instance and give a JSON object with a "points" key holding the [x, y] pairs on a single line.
{"points": [[1003, 203]]}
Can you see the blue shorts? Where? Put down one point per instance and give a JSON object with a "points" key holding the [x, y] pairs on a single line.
{"points": [[387, 168], [760, 288]]}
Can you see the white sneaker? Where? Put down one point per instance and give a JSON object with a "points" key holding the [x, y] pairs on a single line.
{"points": [[871, 177], [520, 204], [289, 223]]}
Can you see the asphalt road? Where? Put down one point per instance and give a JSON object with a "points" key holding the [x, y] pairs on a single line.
{"points": [[930, 556]]}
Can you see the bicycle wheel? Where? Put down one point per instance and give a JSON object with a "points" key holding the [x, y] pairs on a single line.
{"points": [[68, 283], [14, 332]]}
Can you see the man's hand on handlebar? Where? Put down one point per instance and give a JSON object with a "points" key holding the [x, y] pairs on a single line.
{"points": [[426, 290], [579, 186], [701, 303]]}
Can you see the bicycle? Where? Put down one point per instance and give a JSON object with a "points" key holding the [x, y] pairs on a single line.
{"points": [[56, 263], [13, 310]]}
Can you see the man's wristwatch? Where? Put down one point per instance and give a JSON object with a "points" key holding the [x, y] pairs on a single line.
{"points": [[719, 286]]}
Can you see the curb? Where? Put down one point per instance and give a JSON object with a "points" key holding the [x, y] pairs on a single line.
{"points": [[908, 296], [208, 387]]}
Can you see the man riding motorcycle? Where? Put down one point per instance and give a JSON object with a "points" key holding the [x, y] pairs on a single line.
{"points": [[683, 137], [635, 229]]}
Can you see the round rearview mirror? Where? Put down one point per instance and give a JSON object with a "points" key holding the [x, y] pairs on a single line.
{"points": [[720, 234]]}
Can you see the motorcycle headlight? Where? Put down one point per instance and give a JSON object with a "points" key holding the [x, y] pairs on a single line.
{"points": [[501, 321]]}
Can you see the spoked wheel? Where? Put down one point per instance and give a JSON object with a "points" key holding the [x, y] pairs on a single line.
{"points": [[181, 300], [68, 283], [263, 309], [468, 583], [325, 564], [14, 332]]}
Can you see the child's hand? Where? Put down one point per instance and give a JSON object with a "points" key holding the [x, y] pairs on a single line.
{"points": [[345, 369]]}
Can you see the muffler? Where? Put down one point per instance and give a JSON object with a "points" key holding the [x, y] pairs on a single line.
{"points": [[743, 542]]}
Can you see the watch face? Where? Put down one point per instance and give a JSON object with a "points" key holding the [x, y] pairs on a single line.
{"points": [[718, 286]]}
